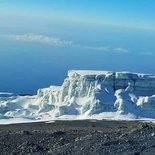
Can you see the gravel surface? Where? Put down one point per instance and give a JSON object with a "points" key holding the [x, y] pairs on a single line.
{"points": [[84, 137]]}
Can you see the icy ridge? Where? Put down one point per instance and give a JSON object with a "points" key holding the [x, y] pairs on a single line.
{"points": [[84, 94]]}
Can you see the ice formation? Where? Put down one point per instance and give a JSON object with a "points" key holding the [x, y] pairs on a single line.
{"points": [[85, 94]]}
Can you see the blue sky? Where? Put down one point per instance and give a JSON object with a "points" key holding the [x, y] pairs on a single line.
{"points": [[41, 39], [130, 13]]}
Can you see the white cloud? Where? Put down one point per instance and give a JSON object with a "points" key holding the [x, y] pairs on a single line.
{"points": [[30, 37], [122, 50], [102, 48], [147, 53]]}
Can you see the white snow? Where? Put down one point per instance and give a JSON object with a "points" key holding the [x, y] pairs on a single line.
{"points": [[88, 72], [85, 95]]}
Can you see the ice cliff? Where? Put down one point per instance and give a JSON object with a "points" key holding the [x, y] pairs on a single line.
{"points": [[85, 94]]}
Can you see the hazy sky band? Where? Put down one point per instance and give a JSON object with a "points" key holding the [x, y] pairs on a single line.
{"points": [[130, 13]]}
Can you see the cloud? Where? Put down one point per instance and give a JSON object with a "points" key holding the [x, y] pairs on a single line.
{"points": [[30, 37], [101, 48], [148, 53], [122, 50]]}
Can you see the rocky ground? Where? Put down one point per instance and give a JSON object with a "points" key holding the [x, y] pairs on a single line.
{"points": [[85, 137]]}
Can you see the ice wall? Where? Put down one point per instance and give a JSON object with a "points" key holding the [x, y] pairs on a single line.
{"points": [[93, 92], [85, 93]]}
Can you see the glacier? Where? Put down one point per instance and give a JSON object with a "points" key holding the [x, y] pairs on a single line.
{"points": [[86, 94]]}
